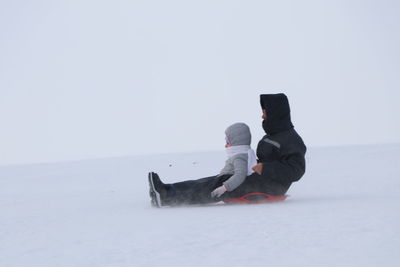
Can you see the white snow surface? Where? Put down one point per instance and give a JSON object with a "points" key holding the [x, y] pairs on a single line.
{"points": [[343, 212]]}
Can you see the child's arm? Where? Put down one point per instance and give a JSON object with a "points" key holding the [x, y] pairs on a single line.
{"points": [[240, 172]]}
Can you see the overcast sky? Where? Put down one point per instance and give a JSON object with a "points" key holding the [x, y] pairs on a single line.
{"points": [[86, 79]]}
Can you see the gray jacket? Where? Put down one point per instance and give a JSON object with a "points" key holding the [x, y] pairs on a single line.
{"points": [[237, 167]]}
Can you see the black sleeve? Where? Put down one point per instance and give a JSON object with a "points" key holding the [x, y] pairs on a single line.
{"points": [[291, 164]]}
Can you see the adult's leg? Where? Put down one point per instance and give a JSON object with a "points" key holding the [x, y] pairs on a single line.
{"points": [[193, 191], [257, 184]]}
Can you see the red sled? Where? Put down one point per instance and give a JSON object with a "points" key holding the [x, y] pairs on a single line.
{"points": [[255, 198]]}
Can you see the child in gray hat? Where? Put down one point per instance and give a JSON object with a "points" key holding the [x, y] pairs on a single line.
{"points": [[241, 158]]}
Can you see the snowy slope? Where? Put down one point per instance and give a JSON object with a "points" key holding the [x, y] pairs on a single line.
{"points": [[344, 212]]}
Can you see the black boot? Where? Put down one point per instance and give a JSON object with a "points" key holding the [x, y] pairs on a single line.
{"points": [[157, 190]]}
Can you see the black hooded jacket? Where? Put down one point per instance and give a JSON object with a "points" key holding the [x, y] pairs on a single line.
{"points": [[281, 150]]}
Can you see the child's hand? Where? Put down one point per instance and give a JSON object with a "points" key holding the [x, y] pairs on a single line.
{"points": [[258, 168], [218, 191]]}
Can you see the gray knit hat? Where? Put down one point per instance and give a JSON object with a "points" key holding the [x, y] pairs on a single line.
{"points": [[238, 134]]}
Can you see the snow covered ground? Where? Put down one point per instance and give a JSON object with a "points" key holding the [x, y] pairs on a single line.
{"points": [[344, 212]]}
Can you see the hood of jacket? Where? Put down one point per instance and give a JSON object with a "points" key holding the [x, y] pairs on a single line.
{"points": [[278, 113], [238, 134]]}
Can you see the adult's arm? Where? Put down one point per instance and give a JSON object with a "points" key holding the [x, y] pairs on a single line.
{"points": [[289, 168]]}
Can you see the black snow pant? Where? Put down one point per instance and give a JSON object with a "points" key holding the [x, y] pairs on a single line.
{"points": [[199, 191]]}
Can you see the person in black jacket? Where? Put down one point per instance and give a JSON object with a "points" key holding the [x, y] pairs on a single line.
{"points": [[281, 152], [281, 161]]}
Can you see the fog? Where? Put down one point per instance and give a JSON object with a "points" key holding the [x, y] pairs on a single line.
{"points": [[89, 79]]}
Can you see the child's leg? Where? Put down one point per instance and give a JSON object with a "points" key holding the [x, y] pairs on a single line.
{"points": [[193, 191]]}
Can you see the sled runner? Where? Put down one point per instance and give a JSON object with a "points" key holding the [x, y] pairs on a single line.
{"points": [[255, 198]]}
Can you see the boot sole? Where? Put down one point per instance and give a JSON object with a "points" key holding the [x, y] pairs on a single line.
{"points": [[154, 195]]}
